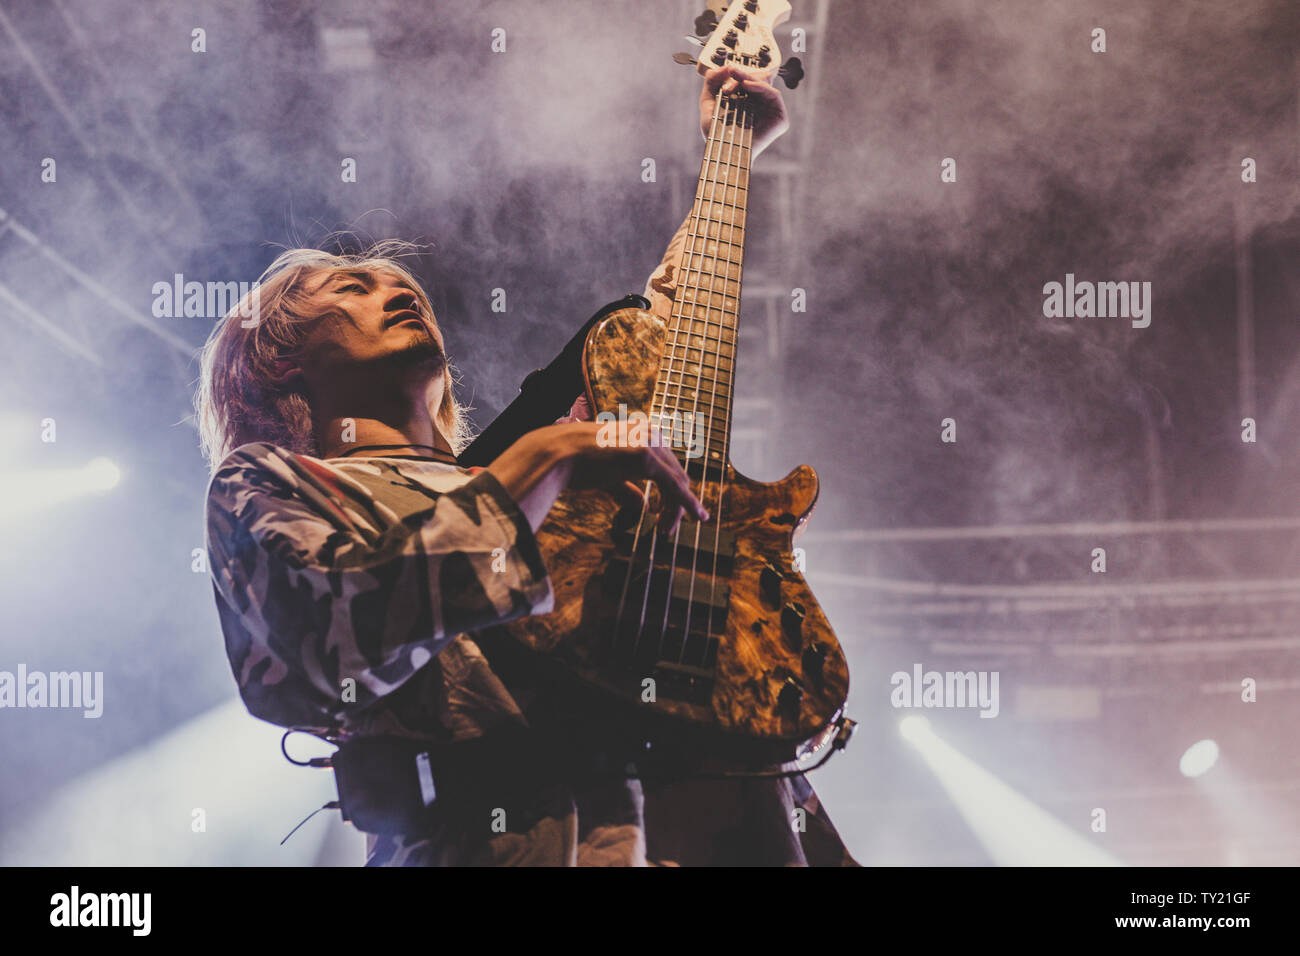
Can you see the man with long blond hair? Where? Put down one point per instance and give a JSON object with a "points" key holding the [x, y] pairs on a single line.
{"points": [[352, 557]]}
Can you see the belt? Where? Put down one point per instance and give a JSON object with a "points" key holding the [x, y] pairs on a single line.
{"points": [[398, 785]]}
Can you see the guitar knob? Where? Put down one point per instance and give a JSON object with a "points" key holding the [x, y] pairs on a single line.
{"points": [[814, 660], [732, 38], [791, 697], [769, 584], [764, 55], [720, 55], [792, 616]]}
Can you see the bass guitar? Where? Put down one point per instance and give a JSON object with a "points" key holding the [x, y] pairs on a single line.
{"points": [[711, 634]]}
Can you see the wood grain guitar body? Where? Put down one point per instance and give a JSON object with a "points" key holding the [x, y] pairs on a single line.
{"points": [[747, 664]]}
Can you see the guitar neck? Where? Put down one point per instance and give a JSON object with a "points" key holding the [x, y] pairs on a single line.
{"points": [[697, 371]]}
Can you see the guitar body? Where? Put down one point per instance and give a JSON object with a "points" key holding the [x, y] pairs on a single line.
{"points": [[748, 665]]}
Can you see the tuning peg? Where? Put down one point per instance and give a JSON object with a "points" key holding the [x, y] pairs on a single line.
{"points": [[706, 23], [696, 40], [791, 71], [686, 59]]}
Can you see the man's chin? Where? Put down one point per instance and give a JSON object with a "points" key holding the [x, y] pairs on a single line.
{"points": [[422, 351]]}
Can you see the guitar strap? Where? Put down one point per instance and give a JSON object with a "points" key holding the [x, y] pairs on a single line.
{"points": [[545, 395]]}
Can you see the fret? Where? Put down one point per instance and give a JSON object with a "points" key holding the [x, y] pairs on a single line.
{"points": [[720, 240], [706, 316], [684, 410], [670, 367], [737, 214], [709, 283], [712, 308], [700, 334], [696, 301], [708, 400], [698, 362], [683, 342], [690, 375], [713, 443], [730, 140], [674, 366], [726, 174], [682, 353], [700, 318], [722, 194], [712, 300], [722, 191], [678, 412], [710, 253], [721, 164], [710, 392], [723, 233], [712, 325], [688, 385], [707, 254], [703, 227], [705, 233]]}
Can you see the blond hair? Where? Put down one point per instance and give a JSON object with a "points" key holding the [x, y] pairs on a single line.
{"points": [[238, 398]]}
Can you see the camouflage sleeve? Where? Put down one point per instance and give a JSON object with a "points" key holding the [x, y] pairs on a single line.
{"points": [[318, 583], [661, 288]]}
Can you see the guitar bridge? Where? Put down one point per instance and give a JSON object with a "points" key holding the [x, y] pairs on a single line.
{"points": [[672, 609]]}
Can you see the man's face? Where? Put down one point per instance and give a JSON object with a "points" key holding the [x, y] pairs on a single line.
{"points": [[372, 330]]}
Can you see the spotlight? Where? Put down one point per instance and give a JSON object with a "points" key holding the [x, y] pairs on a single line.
{"points": [[914, 728], [1198, 758], [101, 474], [24, 492]]}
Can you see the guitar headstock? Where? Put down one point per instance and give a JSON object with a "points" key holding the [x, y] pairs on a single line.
{"points": [[744, 35]]}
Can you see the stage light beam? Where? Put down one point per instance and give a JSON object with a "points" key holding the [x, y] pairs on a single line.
{"points": [[26, 491], [1013, 830]]}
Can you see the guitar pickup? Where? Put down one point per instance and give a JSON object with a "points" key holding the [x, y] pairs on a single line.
{"points": [[696, 619], [714, 542]]}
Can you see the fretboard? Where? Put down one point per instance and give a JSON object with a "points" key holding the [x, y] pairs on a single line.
{"points": [[697, 372]]}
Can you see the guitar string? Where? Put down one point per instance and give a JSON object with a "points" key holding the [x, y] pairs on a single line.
{"points": [[739, 121], [722, 114], [728, 118], [747, 141], [645, 497]]}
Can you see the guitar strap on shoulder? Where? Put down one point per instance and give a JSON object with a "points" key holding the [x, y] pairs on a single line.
{"points": [[545, 395]]}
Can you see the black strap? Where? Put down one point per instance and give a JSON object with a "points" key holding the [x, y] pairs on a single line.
{"points": [[545, 395]]}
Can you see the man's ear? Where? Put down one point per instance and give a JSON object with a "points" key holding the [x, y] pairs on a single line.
{"points": [[284, 371]]}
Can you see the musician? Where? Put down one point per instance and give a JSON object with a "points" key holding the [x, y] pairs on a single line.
{"points": [[352, 558]]}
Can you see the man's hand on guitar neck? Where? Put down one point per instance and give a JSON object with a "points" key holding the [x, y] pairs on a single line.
{"points": [[541, 464], [770, 119]]}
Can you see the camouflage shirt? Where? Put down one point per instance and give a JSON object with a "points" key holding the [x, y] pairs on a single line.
{"points": [[346, 589]]}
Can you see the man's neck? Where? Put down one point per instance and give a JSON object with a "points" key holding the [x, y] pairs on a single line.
{"points": [[337, 434]]}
